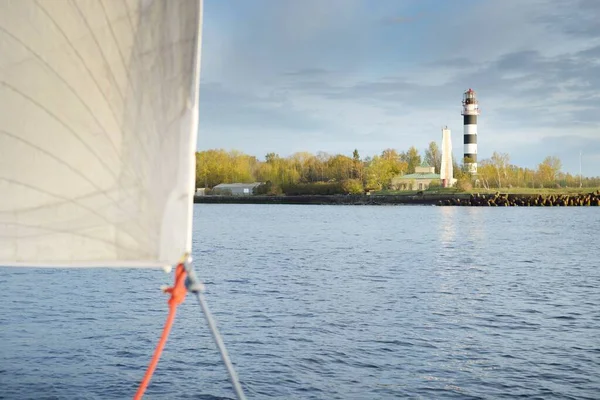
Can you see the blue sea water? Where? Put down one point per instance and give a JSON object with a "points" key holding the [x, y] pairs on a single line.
{"points": [[328, 302]]}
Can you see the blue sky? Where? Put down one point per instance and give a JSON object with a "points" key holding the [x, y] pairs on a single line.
{"points": [[334, 75]]}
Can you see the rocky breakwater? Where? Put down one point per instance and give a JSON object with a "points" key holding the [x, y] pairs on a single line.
{"points": [[525, 200]]}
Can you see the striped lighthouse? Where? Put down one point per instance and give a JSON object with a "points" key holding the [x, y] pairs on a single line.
{"points": [[470, 112]]}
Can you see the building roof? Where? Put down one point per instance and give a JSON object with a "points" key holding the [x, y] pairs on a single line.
{"points": [[236, 185], [420, 176]]}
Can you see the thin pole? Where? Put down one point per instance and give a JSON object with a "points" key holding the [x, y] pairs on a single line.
{"points": [[580, 177], [233, 378], [195, 286]]}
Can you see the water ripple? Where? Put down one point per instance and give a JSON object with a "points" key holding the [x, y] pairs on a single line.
{"points": [[328, 303]]}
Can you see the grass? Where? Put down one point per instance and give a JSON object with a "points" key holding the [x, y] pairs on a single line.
{"points": [[515, 190], [526, 190], [438, 190]]}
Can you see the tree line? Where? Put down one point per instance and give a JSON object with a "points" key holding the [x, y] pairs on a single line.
{"points": [[306, 173], [498, 172]]}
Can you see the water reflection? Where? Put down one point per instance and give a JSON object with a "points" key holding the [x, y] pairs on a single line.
{"points": [[476, 224], [459, 263], [447, 226]]}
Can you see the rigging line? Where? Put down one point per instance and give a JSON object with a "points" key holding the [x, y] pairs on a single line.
{"points": [[178, 292], [195, 286]]}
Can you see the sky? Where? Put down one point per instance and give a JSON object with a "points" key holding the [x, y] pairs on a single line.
{"points": [[336, 75]]}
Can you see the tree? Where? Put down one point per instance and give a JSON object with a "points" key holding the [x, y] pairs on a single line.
{"points": [[265, 173], [322, 159], [201, 172], [413, 159], [433, 156], [456, 168], [500, 162], [548, 170], [377, 173], [390, 155], [302, 162], [241, 167], [464, 184], [212, 167], [381, 170], [271, 157], [352, 186], [394, 161], [554, 163], [220, 166], [357, 166], [486, 173], [340, 167]]}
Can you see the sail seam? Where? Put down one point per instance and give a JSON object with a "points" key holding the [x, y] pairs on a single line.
{"points": [[72, 90], [59, 120], [72, 202], [89, 72], [114, 79]]}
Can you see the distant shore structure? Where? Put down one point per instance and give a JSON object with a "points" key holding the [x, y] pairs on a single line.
{"points": [[235, 189], [446, 168], [470, 111]]}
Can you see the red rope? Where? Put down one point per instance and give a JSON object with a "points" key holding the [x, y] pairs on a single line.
{"points": [[178, 292]]}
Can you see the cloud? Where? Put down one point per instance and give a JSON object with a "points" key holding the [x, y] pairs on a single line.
{"points": [[330, 76], [577, 18], [222, 109]]}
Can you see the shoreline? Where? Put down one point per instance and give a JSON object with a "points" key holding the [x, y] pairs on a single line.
{"points": [[438, 199]]}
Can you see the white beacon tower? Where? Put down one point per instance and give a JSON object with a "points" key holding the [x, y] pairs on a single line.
{"points": [[446, 171], [470, 111]]}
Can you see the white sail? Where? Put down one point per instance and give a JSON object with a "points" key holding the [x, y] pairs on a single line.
{"points": [[98, 126]]}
